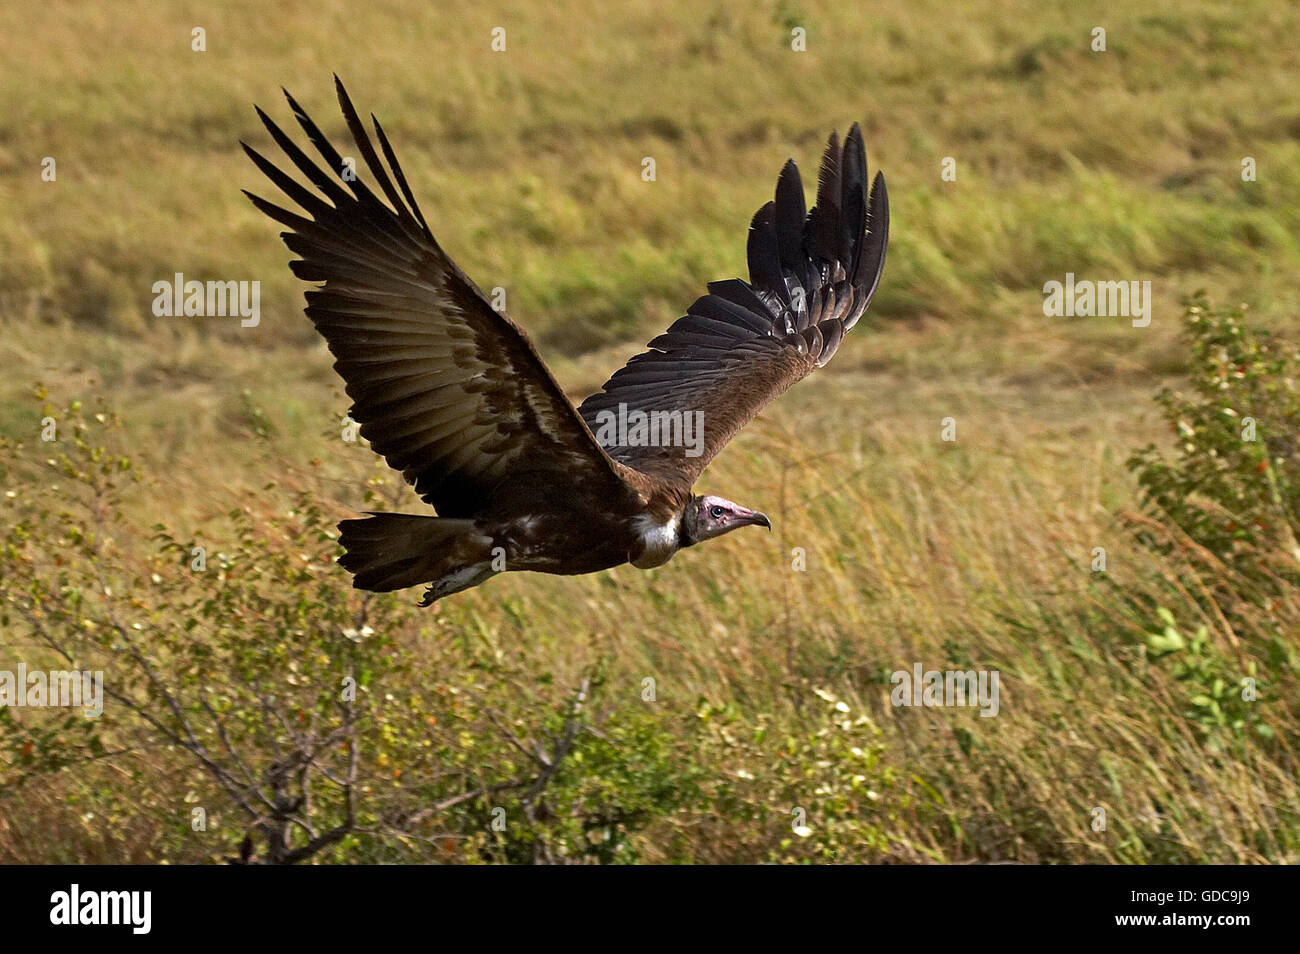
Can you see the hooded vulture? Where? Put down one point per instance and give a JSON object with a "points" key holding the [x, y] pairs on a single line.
{"points": [[452, 394]]}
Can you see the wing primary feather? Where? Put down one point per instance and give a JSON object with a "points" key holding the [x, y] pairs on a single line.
{"points": [[823, 232], [853, 211], [281, 215], [400, 176], [358, 130], [319, 178], [764, 254], [791, 211], [873, 249], [314, 204]]}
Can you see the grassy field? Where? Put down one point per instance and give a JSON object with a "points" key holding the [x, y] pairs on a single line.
{"points": [[1124, 164]]}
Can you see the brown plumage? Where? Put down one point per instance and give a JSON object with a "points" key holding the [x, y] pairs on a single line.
{"points": [[454, 396]]}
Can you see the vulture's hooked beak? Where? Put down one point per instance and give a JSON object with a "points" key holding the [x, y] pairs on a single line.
{"points": [[759, 520]]}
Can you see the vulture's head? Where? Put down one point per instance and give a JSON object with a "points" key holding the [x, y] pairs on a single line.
{"points": [[711, 516]]}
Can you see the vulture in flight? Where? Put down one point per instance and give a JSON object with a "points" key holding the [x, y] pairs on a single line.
{"points": [[453, 395]]}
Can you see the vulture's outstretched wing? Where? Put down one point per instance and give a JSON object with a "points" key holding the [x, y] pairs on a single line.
{"points": [[740, 346], [449, 391]]}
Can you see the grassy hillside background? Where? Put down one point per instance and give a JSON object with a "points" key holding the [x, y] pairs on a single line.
{"points": [[772, 685]]}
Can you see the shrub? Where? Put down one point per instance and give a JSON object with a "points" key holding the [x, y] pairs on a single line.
{"points": [[258, 709], [1233, 487], [1229, 501]]}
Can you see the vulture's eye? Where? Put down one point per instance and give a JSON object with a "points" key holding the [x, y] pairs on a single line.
{"points": [[715, 512]]}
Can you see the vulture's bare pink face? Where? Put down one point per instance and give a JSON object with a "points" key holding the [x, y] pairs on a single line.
{"points": [[714, 516]]}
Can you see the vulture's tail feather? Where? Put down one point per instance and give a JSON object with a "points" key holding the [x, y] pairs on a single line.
{"points": [[391, 551]]}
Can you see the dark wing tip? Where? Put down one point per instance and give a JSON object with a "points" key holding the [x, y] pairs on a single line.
{"points": [[791, 211], [789, 185], [873, 249], [855, 151], [345, 101], [878, 207], [879, 183]]}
